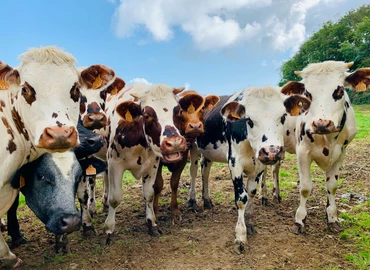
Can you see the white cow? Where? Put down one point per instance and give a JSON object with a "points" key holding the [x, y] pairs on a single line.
{"points": [[324, 132], [39, 110]]}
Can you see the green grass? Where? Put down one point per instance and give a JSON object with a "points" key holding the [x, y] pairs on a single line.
{"points": [[362, 113]]}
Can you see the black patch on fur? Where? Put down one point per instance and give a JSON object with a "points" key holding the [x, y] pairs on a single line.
{"points": [[264, 138], [283, 118], [288, 132], [325, 151]]}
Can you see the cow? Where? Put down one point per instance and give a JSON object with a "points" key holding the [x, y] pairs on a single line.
{"points": [[141, 133], [188, 119], [50, 184], [39, 105], [92, 112], [246, 131], [325, 130]]}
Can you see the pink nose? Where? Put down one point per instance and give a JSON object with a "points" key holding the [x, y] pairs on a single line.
{"points": [[94, 121], [271, 154], [194, 129], [323, 126], [58, 138]]}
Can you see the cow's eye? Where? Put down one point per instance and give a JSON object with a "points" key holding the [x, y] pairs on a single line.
{"points": [[24, 90], [146, 117], [40, 176]]}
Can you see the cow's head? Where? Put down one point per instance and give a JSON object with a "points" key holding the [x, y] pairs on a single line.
{"points": [[261, 113], [324, 84], [46, 94], [154, 110], [94, 94], [188, 115], [49, 186]]}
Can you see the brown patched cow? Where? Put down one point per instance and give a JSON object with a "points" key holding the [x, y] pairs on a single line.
{"points": [[189, 120]]}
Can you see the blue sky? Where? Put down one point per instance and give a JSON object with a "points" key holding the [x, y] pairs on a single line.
{"points": [[212, 46]]}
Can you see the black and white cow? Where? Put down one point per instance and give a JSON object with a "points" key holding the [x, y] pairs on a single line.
{"points": [[248, 134], [325, 130]]}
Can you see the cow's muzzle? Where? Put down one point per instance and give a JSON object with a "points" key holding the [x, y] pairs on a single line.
{"points": [[323, 127], [58, 139], [70, 223], [194, 129], [271, 154], [94, 121], [172, 147]]}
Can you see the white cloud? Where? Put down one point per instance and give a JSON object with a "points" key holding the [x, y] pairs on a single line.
{"points": [[139, 80], [219, 24]]}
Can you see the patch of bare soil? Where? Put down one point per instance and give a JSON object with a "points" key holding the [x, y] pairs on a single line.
{"points": [[204, 239]]}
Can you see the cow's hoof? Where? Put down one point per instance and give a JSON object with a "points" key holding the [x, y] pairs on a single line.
{"points": [[107, 241], [176, 219], [298, 229], [207, 204], [155, 231], [251, 230], [62, 244], [19, 240], [276, 199], [192, 204], [15, 263], [334, 227], [239, 247], [93, 213], [105, 208], [264, 201], [88, 231]]}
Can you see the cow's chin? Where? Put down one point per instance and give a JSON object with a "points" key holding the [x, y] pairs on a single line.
{"points": [[171, 158]]}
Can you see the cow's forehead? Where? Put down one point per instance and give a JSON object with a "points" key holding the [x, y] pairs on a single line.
{"points": [[50, 76]]}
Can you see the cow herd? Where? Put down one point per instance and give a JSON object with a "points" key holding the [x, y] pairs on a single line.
{"points": [[63, 125]]}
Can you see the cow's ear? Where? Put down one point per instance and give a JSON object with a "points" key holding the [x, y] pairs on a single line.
{"points": [[8, 76], [210, 102], [293, 88], [92, 164], [359, 80], [191, 102], [178, 90], [128, 111], [233, 111], [296, 104], [97, 77], [116, 86]]}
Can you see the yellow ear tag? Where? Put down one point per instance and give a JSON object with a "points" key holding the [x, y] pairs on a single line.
{"points": [[22, 182], [3, 85], [90, 170], [235, 115], [114, 91], [295, 111], [191, 108], [128, 116], [360, 87], [97, 83]]}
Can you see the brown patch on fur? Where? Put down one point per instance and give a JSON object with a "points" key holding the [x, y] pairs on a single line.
{"points": [[293, 88], [89, 76], [54, 115], [75, 92], [19, 124], [11, 146], [28, 93]]}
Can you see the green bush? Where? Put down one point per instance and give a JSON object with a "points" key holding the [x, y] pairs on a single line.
{"points": [[359, 97]]}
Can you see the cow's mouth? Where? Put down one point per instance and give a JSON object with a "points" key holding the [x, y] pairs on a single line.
{"points": [[173, 157]]}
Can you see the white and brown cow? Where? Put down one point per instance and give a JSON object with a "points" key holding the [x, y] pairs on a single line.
{"points": [[141, 133], [39, 105], [325, 130], [189, 119], [248, 134]]}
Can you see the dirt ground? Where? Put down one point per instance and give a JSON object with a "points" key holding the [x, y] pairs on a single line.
{"points": [[204, 239]]}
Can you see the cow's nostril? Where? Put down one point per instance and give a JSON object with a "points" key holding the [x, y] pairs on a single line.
{"points": [[90, 141]]}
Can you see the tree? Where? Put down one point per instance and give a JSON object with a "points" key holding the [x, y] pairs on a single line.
{"points": [[347, 40]]}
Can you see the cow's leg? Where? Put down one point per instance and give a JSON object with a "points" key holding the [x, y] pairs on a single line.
{"points": [[276, 198], [148, 193], [62, 244], [175, 179], [91, 204], [332, 177], [305, 188], [83, 197], [264, 199], [13, 225], [106, 191], [193, 174], [3, 226], [115, 174], [7, 258], [158, 187], [206, 165], [252, 191]]}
